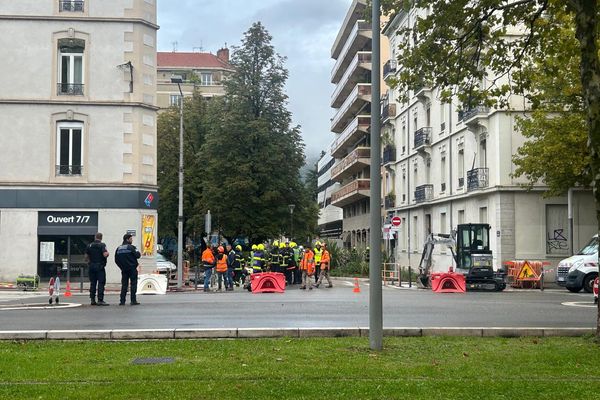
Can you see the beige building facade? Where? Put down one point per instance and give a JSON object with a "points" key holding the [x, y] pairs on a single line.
{"points": [[351, 101], [201, 72], [445, 166], [78, 128]]}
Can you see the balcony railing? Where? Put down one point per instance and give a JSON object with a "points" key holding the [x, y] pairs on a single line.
{"points": [[360, 122], [389, 68], [470, 113], [424, 193], [360, 90], [351, 159], [359, 58], [71, 5], [389, 111], [350, 189], [69, 169], [389, 154], [423, 137], [70, 89], [477, 179], [390, 201], [360, 26]]}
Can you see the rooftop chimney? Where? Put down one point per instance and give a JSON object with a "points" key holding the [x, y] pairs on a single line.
{"points": [[223, 54]]}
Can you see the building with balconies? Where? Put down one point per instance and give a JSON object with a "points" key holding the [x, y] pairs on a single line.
{"points": [[351, 101], [330, 216], [78, 133], [201, 72], [454, 165]]}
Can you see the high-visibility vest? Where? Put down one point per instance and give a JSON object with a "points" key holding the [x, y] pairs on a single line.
{"points": [[275, 257], [222, 263], [208, 258], [258, 260], [325, 260], [318, 255], [308, 262], [239, 258]]}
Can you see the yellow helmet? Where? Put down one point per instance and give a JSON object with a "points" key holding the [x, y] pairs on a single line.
{"points": [[254, 247], [317, 244], [238, 247], [282, 245], [275, 243], [293, 244], [260, 247]]}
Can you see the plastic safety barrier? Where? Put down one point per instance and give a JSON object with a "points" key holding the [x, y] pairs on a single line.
{"points": [[267, 282], [152, 284], [448, 282], [525, 273], [596, 290]]}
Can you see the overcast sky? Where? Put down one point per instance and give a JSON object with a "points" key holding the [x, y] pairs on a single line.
{"points": [[302, 30]]}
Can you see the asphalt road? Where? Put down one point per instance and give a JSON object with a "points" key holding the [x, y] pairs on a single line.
{"points": [[337, 307]]}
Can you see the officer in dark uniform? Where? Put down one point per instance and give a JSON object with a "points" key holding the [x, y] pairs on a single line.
{"points": [[126, 257], [96, 255]]}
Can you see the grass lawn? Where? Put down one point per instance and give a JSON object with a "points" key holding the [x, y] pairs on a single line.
{"points": [[328, 368]]}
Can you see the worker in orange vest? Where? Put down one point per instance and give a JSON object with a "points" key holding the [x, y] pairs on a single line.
{"points": [[221, 266], [325, 266], [307, 266], [208, 260]]}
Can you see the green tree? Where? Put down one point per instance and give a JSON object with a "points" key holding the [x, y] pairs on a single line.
{"points": [[252, 155], [461, 42]]}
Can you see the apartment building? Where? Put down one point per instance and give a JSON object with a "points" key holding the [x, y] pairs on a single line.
{"points": [[445, 165], [330, 216], [78, 131], [202, 72], [351, 101]]}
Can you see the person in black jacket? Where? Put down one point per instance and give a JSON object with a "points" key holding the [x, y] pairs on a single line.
{"points": [[96, 255], [126, 257]]}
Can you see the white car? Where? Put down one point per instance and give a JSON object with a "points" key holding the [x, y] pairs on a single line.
{"points": [[163, 265]]}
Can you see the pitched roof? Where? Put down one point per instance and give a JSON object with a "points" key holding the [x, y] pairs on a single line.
{"points": [[190, 60]]}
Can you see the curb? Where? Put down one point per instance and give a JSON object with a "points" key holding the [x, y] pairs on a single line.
{"points": [[154, 334]]}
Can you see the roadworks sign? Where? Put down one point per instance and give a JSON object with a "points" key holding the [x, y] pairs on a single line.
{"points": [[527, 272]]}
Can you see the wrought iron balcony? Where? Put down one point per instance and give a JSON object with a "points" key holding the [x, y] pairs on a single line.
{"points": [[477, 179], [390, 201], [70, 89], [424, 193], [389, 154], [472, 112], [389, 68], [69, 169], [422, 137], [71, 5]]}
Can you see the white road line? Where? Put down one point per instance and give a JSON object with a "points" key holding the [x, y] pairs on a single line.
{"points": [[38, 306], [585, 304]]}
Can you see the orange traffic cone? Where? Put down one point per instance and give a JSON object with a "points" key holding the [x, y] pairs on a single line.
{"points": [[356, 287], [68, 290]]}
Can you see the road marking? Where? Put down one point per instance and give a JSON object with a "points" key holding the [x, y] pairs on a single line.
{"points": [[38, 306], [585, 304]]}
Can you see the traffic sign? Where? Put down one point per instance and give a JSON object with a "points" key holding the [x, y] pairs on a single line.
{"points": [[396, 221]]}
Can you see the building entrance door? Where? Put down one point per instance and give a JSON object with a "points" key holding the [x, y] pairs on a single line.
{"points": [[63, 255]]}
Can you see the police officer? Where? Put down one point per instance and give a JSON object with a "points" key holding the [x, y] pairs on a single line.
{"points": [[96, 255], [126, 258]]}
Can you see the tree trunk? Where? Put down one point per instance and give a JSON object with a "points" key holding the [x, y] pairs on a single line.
{"points": [[586, 22]]}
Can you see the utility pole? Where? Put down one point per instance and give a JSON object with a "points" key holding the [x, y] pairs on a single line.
{"points": [[375, 297]]}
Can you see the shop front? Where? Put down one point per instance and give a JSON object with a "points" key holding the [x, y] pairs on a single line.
{"points": [[62, 239]]}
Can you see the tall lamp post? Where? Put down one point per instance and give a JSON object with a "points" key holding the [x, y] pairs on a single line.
{"points": [[179, 80], [291, 207]]}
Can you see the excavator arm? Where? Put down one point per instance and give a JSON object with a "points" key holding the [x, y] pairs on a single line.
{"points": [[426, 257]]}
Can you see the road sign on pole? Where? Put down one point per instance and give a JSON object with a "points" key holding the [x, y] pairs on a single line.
{"points": [[396, 221]]}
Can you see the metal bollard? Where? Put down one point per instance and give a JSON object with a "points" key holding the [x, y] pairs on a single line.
{"points": [[542, 279], [81, 279], [409, 277]]}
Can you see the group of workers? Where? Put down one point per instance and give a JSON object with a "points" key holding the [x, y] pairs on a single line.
{"points": [[298, 264]]}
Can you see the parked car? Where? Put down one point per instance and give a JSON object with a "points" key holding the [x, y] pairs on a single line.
{"points": [[163, 265], [579, 271]]}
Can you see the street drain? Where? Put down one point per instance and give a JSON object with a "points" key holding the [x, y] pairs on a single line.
{"points": [[146, 361]]}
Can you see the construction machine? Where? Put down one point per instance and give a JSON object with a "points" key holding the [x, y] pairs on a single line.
{"points": [[470, 248]]}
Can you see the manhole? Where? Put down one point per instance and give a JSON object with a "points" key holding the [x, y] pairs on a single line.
{"points": [[146, 361]]}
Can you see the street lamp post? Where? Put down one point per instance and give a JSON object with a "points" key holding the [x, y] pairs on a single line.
{"points": [[179, 80], [291, 206]]}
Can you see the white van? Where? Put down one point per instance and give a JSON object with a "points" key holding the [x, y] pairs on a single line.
{"points": [[579, 271]]}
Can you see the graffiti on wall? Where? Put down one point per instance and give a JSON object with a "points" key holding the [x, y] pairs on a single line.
{"points": [[557, 242]]}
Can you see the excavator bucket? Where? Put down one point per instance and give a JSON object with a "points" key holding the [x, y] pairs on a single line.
{"points": [[267, 282], [448, 282], [423, 282]]}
